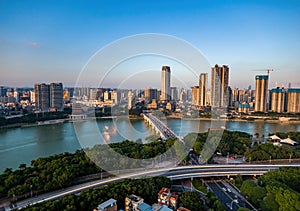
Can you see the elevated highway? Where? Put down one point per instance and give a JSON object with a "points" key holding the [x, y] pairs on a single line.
{"points": [[174, 173]]}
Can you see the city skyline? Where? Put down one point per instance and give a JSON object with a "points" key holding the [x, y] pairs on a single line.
{"points": [[55, 41]]}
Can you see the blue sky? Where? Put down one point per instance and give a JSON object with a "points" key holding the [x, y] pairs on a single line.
{"points": [[45, 41]]}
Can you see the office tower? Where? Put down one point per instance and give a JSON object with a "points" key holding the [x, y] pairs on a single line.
{"points": [[278, 100], [42, 97], [165, 83], [261, 93], [219, 86], [203, 81], [174, 93], [56, 96], [290, 85], [195, 95], [293, 104], [150, 94]]}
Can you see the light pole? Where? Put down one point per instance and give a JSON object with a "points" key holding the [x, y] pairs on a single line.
{"points": [[290, 160], [235, 201], [227, 157], [30, 191], [270, 159]]}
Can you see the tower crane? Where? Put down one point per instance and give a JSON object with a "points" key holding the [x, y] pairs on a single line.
{"points": [[267, 70]]}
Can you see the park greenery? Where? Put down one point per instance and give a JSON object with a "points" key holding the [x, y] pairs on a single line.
{"points": [[275, 190], [147, 188]]}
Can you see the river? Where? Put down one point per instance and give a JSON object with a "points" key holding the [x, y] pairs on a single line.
{"points": [[21, 145]]}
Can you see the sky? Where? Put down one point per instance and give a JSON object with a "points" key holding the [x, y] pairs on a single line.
{"points": [[54, 41]]}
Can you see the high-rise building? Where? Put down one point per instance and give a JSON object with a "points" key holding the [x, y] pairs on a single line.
{"points": [[183, 95], [56, 96], [48, 96], [174, 93], [42, 97], [203, 81], [219, 86], [32, 96], [116, 96], [293, 105], [131, 98], [150, 94], [261, 93], [278, 96], [165, 83], [2, 91], [235, 95], [195, 95]]}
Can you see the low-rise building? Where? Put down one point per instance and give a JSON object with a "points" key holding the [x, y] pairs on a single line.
{"points": [[164, 196], [109, 205], [132, 202]]}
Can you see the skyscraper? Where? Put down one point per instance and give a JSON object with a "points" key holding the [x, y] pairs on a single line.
{"points": [[56, 96], [203, 80], [261, 93], [48, 96], [165, 83], [293, 104], [219, 86], [42, 97], [278, 100]]}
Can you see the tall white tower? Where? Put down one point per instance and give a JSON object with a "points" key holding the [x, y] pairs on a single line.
{"points": [[165, 83]]}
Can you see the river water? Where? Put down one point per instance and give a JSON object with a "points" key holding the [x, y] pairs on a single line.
{"points": [[21, 145]]}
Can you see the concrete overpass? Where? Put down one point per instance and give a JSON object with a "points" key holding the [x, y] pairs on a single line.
{"points": [[174, 173]]}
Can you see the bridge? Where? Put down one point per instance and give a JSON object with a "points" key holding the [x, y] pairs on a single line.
{"points": [[173, 173], [161, 128]]}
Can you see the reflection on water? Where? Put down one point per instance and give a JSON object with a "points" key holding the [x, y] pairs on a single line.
{"points": [[21, 145]]}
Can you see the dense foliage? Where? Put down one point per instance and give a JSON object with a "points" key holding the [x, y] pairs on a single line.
{"points": [[146, 188], [46, 174], [275, 190], [191, 200], [233, 142], [59, 171]]}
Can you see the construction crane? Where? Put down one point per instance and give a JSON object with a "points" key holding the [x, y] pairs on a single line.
{"points": [[267, 70]]}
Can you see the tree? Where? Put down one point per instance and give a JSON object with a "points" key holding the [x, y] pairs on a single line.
{"points": [[191, 200]]}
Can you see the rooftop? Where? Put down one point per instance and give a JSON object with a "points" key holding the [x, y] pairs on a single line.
{"points": [[106, 204]]}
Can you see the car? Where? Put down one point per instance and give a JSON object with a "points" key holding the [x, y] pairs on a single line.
{"points": [[228, 189], [224, 189]]}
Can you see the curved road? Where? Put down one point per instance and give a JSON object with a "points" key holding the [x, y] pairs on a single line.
{"points": [[174, 173]]}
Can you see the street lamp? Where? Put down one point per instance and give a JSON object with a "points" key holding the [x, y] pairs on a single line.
{"points": [[30, 191], [231, 204]]}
